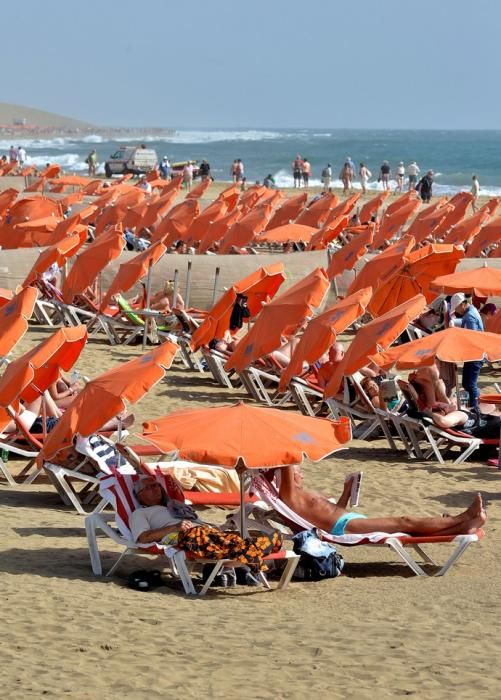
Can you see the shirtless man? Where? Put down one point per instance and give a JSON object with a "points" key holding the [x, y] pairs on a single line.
{"points": [[335, 519]]}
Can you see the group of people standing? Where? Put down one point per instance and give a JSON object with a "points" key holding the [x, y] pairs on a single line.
{"points": [[17, 155]]}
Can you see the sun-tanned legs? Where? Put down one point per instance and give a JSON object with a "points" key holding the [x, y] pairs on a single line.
{"points": [[465, 523]]}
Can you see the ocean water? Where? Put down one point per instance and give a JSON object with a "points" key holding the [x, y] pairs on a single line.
{"points": [[454, 156]]}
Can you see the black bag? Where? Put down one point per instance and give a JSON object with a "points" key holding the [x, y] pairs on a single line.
{"points": [[318, 560]]}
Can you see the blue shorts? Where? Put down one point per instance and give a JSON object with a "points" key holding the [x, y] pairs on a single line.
{"points": [[339, 527]]}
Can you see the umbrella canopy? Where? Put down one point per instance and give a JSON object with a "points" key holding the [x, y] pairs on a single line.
{"points": [[287, 232], [92, 261], [58, 254], [342, 209], [106, 396], [257, 437], [71, 181], [450, 345], [317, 213], [7, 198], [482, 281], [460, 203], [5, 296], [491, 206], [414, 276], [322, 330], [400, 202], [282, 316], [371, 208], [329, 231], [260, 286], [493, 323], [32, 373], [14, 316], [383, 265], [488, 235], [200, 225], [245, 229], [133, 270], [426, 221], [288, 211], [466, 230], [217, 229], [373, 337], [392, 223], [199, 191], [177, 222], [157, 210], [30, 208], [347, 256]]}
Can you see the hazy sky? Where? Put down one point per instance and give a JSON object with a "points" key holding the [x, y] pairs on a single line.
{"points": [[263, 63]]}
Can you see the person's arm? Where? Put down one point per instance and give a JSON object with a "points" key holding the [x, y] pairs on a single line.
{"points": [[156, 535], [453, 419]]}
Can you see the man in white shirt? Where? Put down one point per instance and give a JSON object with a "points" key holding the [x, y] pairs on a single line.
{"points": [[413, 172], [21, 155]]}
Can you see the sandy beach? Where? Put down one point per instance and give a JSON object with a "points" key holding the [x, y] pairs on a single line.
{"points": [[377, 631]]}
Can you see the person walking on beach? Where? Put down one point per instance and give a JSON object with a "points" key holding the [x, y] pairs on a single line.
{"points": [[413, 172], [364, 174], [91, 161], [165, 168], [327, 177], [475, 190], [306, 172], [400, 173], [21, 155], [384, 175], [188, 175], [239, 170], [425, 187], [204, 170], [297, 169], [346, 175]]}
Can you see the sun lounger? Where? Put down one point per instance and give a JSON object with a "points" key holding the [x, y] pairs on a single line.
{"points": [[117, 490], [398, 542]]}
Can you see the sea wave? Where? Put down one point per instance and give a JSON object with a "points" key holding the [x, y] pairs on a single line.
{"points": [[192, 137], [68, 161]]}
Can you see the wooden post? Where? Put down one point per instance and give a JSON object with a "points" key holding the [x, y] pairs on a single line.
{"points": [[188, 285], [214, 291]]}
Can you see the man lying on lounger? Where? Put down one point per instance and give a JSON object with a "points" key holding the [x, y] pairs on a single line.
{"points": [[334, 518]]}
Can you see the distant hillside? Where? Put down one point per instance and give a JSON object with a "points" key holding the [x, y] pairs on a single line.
{"points": [[37, 117]]}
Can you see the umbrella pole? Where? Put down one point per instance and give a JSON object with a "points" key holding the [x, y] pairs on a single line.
{"points": [[174, 291], [188, 286], [242, 473], [148, 295], [214, 291], [458, 402]]}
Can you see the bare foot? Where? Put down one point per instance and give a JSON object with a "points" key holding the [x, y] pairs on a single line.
{"points": [[477, 513]]}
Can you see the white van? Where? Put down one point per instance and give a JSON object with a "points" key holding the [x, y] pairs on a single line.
{"points": [[131, 159]]}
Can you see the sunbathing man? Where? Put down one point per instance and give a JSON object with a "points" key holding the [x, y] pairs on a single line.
{"points": [[335, 519], [161, 519]]}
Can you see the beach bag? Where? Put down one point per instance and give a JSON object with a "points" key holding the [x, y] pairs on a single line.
{"points": [[318, 560]]}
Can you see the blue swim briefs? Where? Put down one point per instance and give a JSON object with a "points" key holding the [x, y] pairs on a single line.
{"points": [[339, 527]]}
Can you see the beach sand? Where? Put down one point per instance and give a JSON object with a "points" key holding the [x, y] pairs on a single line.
{"points": [[377, 631]]}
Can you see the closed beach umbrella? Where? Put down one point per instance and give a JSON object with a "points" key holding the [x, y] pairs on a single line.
{"points": [[450, 345], [321, 332], [230, 196], [7, 198], [133, 270], [106, 396], [349, 254], [260, 286], [344, 208], [71, 181], [156, 211], [460, 203], [491, 206], [14, 316], [92, 261], [482, 281], [374, 337], [317, 213], [466, 230], [215, 211], [177, 222], [5, 296], [392, 223], [240, 433], [329, 231], [31, 374], [199, 191], [218, 228], [281, 317], [400, 202], [426, 220]]}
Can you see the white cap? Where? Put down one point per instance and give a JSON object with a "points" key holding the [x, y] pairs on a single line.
{"points": [[456, 299]]}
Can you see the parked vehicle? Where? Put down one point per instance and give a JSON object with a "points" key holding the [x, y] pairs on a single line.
{"points": [[131, 159]]}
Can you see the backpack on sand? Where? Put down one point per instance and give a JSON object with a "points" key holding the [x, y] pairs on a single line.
{"points": [[318, 560]]}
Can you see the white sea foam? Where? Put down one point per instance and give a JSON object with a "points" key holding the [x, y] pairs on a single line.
{"points": [[68, 161], [192, 137]]}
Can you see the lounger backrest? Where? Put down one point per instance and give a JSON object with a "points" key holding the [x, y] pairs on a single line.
{"points": [[128, 311], [103, 453]]}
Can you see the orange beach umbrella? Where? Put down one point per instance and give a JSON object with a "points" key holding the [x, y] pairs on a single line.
{"points": [[426, 221], [282, 316], [392, 223], [383, 265], [199, 191], [467, 230], [215, 211], [450, 345], [257, 437], [14, 316], [488, 235], [92, 261], [30, 208], [245, 229], [218, 228], [106, 396], [347, 256], [288, 211], [321, 332], [177, 222], [7, 197], [133, 270], [371, 208], [260, 286], [58, 254], [373, 337], [459, 203], [31, 374], [317, 213], [5, 296], [482, 281], [287, 232]]}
